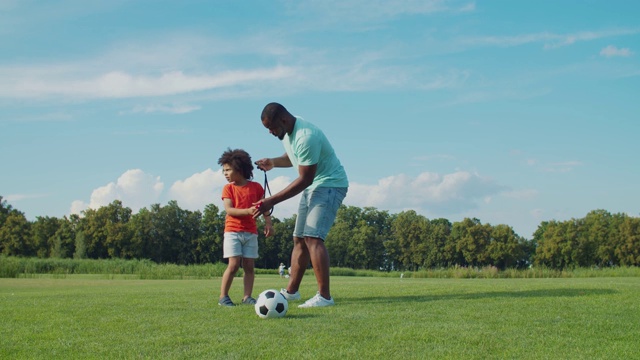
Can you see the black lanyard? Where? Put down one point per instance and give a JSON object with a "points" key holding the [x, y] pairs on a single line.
{"points": [[266, 188]]}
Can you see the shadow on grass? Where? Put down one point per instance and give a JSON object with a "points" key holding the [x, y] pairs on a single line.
{"points": [[301, 316], [483, 295]]}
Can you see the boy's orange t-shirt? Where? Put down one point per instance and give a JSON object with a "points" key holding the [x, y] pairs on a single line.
{"points": [[242, 197]]}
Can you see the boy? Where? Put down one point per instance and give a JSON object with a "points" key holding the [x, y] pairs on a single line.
{"points": [[240, 229]]}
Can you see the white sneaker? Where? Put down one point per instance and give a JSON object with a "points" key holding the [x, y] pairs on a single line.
{"points": [[289, 296], [317, 301]]}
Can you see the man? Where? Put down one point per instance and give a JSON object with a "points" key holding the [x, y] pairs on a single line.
{"points": [[323, 184]]}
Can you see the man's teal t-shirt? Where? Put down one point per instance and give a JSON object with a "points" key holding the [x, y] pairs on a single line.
{"points": [[307, 145]]}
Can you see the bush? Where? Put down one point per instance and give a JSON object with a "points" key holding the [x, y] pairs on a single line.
{"points": [[14, 267]]}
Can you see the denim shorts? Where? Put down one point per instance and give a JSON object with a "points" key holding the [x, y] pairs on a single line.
{"points": [[317, 211], [243, 244]]}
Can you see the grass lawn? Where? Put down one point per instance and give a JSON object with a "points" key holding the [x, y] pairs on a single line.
{"points": [[83, 317]]}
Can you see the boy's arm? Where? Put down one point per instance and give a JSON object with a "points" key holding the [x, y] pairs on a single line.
{"points": [[228, 207], [268, 228]]}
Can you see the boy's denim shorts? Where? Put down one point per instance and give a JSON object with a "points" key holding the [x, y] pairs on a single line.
{"points": [[317, 211], [243, 244]]}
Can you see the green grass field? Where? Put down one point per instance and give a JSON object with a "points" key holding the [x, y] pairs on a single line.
{"points": [[89, 316]]}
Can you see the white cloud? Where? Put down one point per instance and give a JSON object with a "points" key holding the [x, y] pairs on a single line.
{"points": [[432, 193], [308, 70], [172, 109], [435, 157], [435, 193], [611, 51], [134, 188], [550, 40], [19, 197], [525, 194], [201, 189], [537, 213], [144, 68], [78, 206], [562, 167], [137, 190], [370, 10], [47, 82], [198, 190]]}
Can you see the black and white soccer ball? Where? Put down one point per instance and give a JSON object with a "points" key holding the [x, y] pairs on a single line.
{"points": [[271, 304]]}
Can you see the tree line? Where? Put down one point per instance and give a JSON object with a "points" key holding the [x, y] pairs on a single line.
{"points": [[361, 238]]}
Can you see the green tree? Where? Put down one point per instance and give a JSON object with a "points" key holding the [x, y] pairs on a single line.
{"points": [[374, 230], [64, 238], [628, 251], [450, 254], [173, 231], [549, 237], [119, 241], [504, 250], [337, 243], [360, 238], [606, 251], [105, 231], [191, 225], [208, 245], [570, 249], [5, 210], [44, 235], [357, 238], [436, 240], [118, 238], [472, 239], [15, 235], [94, 239], [546, 247], [277, 248], [409, 232], [141, 231], [595, 238], [80, 246], [340, 234], [368, 248], [559, 246]]}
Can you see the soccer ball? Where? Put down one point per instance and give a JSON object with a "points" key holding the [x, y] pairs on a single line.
{"points": [[271, 304]]}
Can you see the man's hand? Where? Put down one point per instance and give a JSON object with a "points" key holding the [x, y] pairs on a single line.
{"points": [[265, 164], [262, 207]]}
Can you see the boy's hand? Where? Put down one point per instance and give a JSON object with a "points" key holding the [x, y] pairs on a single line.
{"points": [[268, 230]]}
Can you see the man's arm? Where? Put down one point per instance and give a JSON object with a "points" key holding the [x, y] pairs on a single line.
{"points": [[303, 181], [282, 161], [267, 164]]}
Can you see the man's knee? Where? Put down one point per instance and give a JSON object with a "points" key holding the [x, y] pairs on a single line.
{"points": [[314, 243], [299, 242]]}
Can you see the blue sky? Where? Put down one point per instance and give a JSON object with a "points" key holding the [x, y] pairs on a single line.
{"points": [[512, 112]]}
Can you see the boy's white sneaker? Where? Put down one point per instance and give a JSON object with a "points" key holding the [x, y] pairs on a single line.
{"points": [[290, 297], [317, 301]]}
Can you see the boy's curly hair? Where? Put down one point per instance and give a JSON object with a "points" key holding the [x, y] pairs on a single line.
{"points": [[239, 160]]}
